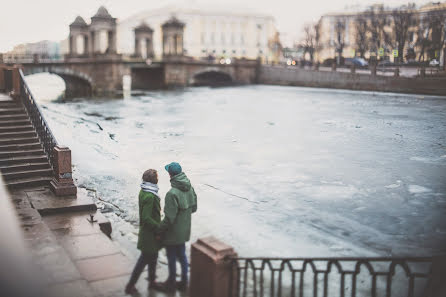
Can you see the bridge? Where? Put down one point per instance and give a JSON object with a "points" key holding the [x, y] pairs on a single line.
{"points": [[94, 68]]}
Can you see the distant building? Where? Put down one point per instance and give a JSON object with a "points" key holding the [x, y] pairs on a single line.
{"points": [[330, 24], [45, 49], [206, 32]]}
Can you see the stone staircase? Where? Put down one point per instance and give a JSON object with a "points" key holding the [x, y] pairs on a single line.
{"points": [[23, 162]]}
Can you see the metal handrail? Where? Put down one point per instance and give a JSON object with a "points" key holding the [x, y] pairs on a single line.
{"points": [[42, 128], [255, 276]]}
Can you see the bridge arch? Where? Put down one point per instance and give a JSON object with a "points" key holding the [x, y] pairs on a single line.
{"points": [[77, 84], [212, 76]]}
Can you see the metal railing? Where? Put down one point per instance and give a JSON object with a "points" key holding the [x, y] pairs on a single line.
{"points": [[42, 128], [313, 277], [31, 58]]}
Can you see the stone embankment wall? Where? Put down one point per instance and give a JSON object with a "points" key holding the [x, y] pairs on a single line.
{"points": [[277, 75]]}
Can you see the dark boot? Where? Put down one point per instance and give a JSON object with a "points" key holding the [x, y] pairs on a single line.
{"points": [[130, 289], [154, 285], [181, 286], [167, 286]]}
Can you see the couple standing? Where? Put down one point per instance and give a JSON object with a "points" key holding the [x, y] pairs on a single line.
{"points": [[172, 232]]}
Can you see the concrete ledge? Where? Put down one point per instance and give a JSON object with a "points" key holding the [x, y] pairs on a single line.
{"points": [[46, 202]]}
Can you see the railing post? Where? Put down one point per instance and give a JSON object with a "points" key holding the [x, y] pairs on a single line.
{"points": [[62, 184], [16, 81], [211, 273], [2, 77]]}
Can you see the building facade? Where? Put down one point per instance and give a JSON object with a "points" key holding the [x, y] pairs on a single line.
{"points": [[341, 30], [45, 49], [206, 33]]}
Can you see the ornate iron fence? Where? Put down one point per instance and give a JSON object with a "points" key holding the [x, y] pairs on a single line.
{"points": [[329, 277], [42, 128]]}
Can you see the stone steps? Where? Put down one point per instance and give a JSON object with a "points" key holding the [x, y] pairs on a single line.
{"points": [[18, 175], [11, 110], [15, 122], [16, 116], [23, 162], [18, 128], [28, 182], [24, 166], [18, 134], [21, 153], [23, 159], [20, 146], [19, 140]]}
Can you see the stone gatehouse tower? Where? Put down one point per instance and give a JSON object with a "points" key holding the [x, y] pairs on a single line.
{"points": [[98, 38], [173, 31], [143, 41]]}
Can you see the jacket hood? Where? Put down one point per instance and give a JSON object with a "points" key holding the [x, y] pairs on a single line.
{"points": [[181, 182]]}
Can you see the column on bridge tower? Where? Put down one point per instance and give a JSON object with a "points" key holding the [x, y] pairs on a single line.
{"points": [[102, 21], [143, 32], [173, 31], [78, 29]]}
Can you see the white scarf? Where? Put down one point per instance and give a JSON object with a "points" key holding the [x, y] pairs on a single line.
{"points": [[149, 187]]}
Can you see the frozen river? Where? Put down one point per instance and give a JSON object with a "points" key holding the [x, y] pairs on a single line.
{"points": [[279, 171]]}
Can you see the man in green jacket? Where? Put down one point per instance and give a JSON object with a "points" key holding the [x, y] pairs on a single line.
{"points": [[180, 203], [149, 219]]}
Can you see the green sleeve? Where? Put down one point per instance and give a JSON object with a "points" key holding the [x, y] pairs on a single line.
{"points": [[170, 212], [146, 214], [194, 207]]}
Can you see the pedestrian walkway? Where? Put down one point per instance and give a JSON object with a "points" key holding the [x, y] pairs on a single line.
{"points": [[73, 253]]}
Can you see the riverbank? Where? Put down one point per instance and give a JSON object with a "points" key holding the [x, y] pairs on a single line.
{"points": [[279, 75]]}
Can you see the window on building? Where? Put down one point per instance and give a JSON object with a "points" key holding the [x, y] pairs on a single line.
{"points": [[203, 38], [242, 39], [234, 51], [223, 38], [212, 37]]}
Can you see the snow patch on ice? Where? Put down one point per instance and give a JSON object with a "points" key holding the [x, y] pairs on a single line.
{"points": [[415, 189], [394, 186]]}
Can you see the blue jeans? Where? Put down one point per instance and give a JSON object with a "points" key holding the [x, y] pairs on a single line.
{"points": [[144, 259], [175, 252]]}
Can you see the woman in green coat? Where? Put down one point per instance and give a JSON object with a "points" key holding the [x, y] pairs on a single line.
{"points": [[149, 219]]}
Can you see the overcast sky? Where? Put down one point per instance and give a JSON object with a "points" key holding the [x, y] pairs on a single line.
{"points": [[34, 20]]}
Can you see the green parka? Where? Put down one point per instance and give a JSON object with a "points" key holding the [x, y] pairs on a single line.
{"points": [[149, 219], [180, 203]]}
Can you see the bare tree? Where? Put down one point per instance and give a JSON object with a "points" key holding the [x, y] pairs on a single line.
{"points": [[378, 20], [317, 38], [436, 26], [361, 40], [339, 41], [402, 19], [308, 43], [423, 40]]}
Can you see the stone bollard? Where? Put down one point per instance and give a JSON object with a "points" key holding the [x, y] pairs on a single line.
{"points": [[333, 66], [62, 184], [397, 72], [373, 70], [353, 69], [316, 66], [436, 286], [423, 72], [210, 273]]}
